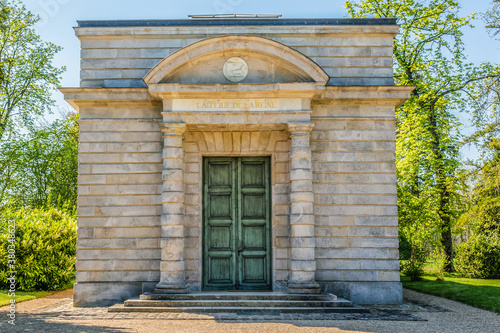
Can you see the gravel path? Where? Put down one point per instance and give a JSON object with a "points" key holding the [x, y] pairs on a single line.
{"points": [[419, 313]]}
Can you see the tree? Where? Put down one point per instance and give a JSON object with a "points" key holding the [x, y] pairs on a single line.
{"points": [[39, 169], [27, 74], [492, 18], [428, 54], [484, 214]]}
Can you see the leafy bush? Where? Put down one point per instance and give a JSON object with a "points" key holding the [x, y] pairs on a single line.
{"points": [[479, 257], [413, 266], [45, 245]]}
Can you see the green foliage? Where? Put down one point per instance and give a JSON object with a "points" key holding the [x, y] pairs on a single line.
{"points": [[27, 75], [479, 257], [40, 168], [45, 242], [413, 267], [484, 212], [492, 18], [429, 55]]}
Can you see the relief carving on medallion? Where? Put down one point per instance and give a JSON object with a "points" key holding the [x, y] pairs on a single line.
{"points": [[235, 69]]}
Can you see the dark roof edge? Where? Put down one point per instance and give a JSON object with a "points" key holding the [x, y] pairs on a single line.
{"points": [[237, 22]]}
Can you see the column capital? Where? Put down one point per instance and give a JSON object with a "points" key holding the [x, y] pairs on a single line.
{"points": [[173, 128], [300, 128]]}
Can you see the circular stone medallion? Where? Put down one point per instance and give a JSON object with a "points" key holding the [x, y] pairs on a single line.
{"points": [[235, 69]]}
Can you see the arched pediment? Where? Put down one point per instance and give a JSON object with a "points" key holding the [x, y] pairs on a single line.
{"points": [[268, 62]]}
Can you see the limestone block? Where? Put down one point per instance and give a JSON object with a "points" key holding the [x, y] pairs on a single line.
{"points": [[376, 293], [321, 231], [172, 266], [191, 177], [172, 242], [173, 185], [360, 275], [375, 242], [302, 218], [172, 219], [142, 157], [301, 276], [151, 276], [93, 265], [301, 174], [143, 254], [118, 221], [302, 265], [333, 242], [148, 243], [172, 277], [282, 275], [138, 189], [126, 232], [173, 197], [173, 208], [141, 136], [150, 146], [101, 254], [84, 232], [300, 200], [126, 168], [134, 179], [303, 242], [302, 230], [329, 275], [90, 243], [300, 209], [335, 220], [172, 231], [299, 151], [302, 253], [329, 253], [380, 265], [338, 264], [281, 199], [91, 179], [354, 188], [193, 210], [367, 231], [370, 253], [301, 186]]}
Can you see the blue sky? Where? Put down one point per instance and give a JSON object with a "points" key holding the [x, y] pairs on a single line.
{"points": [[60, 16]]}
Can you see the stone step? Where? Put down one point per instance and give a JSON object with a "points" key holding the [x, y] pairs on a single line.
{"points": [[239, 296], [277, 310], [243, 303]]}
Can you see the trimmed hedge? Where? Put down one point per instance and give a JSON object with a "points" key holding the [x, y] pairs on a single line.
{"points": [[479, 257], [45, 248]]}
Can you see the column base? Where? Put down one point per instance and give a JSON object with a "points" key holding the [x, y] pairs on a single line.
{"points": [[163, 288], [304, 288]]}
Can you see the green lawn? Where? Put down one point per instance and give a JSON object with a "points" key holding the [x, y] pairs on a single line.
{"points": [[22, 296], [481, 293]]}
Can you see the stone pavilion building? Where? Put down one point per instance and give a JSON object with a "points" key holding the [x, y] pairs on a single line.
{"points": [[237, 154]]}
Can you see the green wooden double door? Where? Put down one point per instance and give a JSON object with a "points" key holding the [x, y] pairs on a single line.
{"points": [[236, 223]]}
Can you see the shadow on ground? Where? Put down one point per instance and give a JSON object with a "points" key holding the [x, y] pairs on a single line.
{"points": [[45, 323]]}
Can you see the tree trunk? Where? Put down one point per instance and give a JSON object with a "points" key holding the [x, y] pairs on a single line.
{"points": [[443, 193]]}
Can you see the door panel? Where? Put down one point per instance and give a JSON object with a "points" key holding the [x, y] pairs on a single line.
{"points": [[236, 230], [219, 208]]}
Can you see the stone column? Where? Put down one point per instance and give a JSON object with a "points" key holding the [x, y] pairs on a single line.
{"points": [[302, 240], [172, 266]]}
